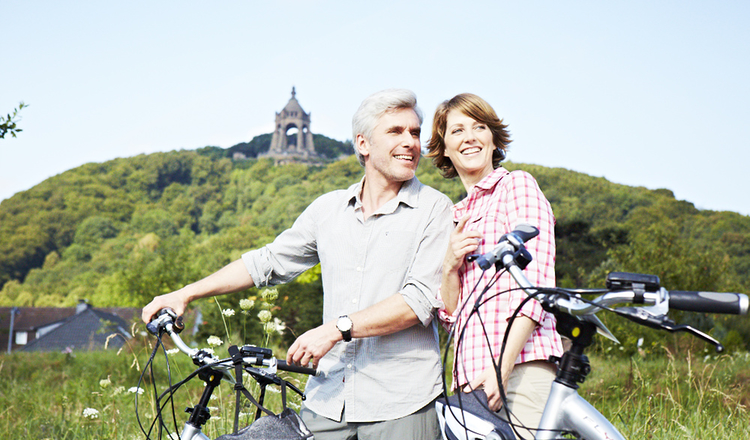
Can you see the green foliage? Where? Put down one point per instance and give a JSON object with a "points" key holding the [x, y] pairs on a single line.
{"points": [[120, 232], [9, 123], [331, 148]]}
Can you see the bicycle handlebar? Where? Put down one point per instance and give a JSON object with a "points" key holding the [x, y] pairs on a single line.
{"points": [[282, 365], [709, 302], [511, 255], [167, 321]]}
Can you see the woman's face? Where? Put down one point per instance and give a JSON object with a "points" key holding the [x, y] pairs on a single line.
{"points": [[468, 144]]}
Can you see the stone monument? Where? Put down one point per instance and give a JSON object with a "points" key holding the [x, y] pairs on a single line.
{"points": [[292, 140]]}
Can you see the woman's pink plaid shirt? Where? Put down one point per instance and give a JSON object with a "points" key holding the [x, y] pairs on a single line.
{"points": [[496, 205]]}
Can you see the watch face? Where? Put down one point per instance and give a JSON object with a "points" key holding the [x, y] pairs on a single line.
{"points": [[344, 324]]}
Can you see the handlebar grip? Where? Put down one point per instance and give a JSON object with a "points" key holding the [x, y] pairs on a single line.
{"points": [[709, 302], [525, 232], [282, 365]]}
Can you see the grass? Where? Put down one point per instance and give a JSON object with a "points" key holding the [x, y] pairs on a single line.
{"points": [[673, 397], [53, 395]]}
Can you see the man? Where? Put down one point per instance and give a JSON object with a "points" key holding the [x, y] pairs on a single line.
{"points": [[380, 244]]}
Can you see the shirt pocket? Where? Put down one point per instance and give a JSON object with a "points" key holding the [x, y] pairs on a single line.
{"points": [[396, 250]]}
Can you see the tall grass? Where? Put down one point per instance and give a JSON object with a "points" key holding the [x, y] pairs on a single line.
{"points": [[85, 396], [673, 397]]}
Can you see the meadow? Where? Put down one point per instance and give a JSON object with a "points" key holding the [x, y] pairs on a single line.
{"points": [[92, 395]]}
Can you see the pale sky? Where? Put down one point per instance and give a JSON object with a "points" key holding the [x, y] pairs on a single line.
{"points": [[643, 93]]}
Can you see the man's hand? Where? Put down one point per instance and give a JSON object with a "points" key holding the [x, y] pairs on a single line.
{"points": [[487, 380], [174, 301], [313, 345]]}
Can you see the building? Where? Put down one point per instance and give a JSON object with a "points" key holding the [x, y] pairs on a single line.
{"points": [[292, 140], [80, 328]]}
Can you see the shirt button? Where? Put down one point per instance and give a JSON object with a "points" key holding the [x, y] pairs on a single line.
{"points": [[349, 366], [354, 300], [359, 268]]}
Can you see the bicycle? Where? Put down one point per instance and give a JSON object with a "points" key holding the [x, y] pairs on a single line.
{"points": [[467, 416], [257, 362]]}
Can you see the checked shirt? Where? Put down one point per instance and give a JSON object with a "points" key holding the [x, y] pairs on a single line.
{"points": [[496, 205]]}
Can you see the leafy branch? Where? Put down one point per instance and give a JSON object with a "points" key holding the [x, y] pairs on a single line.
{"points": [[8, 124]]}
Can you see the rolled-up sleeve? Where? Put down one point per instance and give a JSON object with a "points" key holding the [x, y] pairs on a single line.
{"points": [[421, 288], [291, 253]]}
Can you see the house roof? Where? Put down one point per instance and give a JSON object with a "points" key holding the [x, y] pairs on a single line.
{"points": [[88, 330], [32, 318]]}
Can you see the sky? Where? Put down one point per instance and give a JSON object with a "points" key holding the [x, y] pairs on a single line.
{"points": [[642, 93]]}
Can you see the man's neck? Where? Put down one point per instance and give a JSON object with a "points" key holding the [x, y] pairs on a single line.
{"points": [[376, 193]]}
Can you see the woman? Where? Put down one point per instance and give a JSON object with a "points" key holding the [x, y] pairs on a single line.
{"points": [[469, 141]]}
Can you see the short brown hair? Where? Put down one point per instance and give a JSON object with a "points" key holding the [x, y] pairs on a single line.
{"points": [[476, 108]]}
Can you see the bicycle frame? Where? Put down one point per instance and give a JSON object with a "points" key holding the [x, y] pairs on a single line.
{"points": [[566, 410]]}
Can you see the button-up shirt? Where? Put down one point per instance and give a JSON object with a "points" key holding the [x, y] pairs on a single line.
{"points": [[398, 249], [496, 205]]}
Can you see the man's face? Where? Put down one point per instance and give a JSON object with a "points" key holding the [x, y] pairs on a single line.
{"points": [[394, 148]]}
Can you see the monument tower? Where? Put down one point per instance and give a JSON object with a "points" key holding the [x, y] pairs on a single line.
{"points": [[288, 145]]}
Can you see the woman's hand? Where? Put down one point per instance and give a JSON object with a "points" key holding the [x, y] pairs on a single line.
{"points": [[487, 380], [462, 243]]}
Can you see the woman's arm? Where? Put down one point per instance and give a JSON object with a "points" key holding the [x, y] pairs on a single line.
{"points": [[520, 332], [462, 243]]}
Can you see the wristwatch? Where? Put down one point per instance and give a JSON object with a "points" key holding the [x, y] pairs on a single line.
{"points": [[344, 324]]}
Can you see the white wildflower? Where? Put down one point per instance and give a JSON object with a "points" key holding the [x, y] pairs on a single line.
{"points": [[214, 341], [264, 316], [247, 304], [270, 328], [90, 413], [269, 295], [118, 390], [228, 312], [104, 383], [134, 390], [172, 351]]}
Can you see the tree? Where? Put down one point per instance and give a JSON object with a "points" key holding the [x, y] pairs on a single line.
{"points": [[8, 124]]}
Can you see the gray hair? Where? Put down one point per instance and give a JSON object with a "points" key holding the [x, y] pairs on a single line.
{"points": [[376, 105]]}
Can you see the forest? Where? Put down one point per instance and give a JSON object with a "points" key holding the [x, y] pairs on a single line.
{"points": [[120, 232]]}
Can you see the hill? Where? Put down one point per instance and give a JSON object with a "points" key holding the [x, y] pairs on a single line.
{"points": [[118, 233]]}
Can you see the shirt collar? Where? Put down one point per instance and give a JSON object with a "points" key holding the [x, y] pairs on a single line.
{"points": [[488, 183], [491, 180], [408, 195]]}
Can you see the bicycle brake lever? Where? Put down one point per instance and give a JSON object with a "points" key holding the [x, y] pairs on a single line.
{"points": [[661, 322], [295, 389], [699, 334], [645, 317]]}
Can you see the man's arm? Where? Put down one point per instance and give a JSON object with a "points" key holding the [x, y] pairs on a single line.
{"points": [[389, 316], [231, 278]]}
